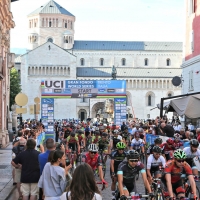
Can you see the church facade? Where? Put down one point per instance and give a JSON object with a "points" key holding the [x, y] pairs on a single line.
{"points": [[53, 54]]}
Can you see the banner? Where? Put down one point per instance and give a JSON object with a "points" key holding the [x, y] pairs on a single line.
{"points": [[83, 89], [47, 116], [120, 110]]}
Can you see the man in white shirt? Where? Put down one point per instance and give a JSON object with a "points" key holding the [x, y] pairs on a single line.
{"points": [[154, 162]]}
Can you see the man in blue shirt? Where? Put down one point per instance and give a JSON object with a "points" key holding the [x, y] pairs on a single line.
{"points": [[43, 158]]}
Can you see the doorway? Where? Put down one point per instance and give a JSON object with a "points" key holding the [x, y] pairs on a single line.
{"points": [[82, 114]]}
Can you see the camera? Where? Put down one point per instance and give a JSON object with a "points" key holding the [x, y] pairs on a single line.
{"points": [[67, 162]]}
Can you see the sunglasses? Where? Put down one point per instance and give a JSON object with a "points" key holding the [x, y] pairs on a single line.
{"points": [[93, 152], [179, 160], [133, 160], [121, 149]]}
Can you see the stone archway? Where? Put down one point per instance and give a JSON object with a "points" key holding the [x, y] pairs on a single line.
{"points": [[97, 107], [82, 114]]}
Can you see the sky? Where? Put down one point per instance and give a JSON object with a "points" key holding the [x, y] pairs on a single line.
{"points": [[113, 20]]}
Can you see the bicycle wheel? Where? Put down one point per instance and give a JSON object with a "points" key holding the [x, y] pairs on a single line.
{"points": [[188, 192], [159, 195]]}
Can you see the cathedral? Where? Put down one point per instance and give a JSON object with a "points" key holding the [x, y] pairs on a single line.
{"points": [[52, 54]]}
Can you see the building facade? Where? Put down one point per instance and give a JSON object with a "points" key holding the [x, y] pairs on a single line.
{"points": [[53, 54], [191, 60], [6, 63]]}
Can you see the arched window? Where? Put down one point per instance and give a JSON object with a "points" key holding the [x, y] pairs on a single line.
{"points": [[65, 24], [50, 40], [82, 61], [50, 24], [101, 61], [149, 100], [123, 61], [146, 62], [168, 62]]}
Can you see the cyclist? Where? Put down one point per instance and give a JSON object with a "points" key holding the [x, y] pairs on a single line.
{"points": [[81, 138], [96, 137], [137, 143], [177, 141], [168, 147], [104, 144], [93, 159], [192, 152], [115, 139], [72, 144], [126, 173], [154, 162], [157, 142], [117, 157], [125, 135], [172, 175]]}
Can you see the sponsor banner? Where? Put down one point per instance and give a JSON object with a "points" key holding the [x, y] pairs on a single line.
{"points": [[47, 116], [83, 89], [120, 110]]}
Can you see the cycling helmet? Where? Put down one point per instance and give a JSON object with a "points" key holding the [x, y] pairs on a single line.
{"points": [[170, 141], [96, 132], [141, 130], [120, 145], [179, 154], [158, 141], [115, 132], [157, 149], [132, 154], [194, 143], [104, 134], [93, 147], [72, 134], [80, 132]]}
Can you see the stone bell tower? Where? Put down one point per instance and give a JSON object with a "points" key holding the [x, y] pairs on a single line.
{"points": [[51, 22]]}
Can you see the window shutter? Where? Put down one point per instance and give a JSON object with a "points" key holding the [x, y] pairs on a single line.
{"points": [[191, 80], [192, 40]]}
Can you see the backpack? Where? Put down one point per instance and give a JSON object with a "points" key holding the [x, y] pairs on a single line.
{"points": [[18, 149]]}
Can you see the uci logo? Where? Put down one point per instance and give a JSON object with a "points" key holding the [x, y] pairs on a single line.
{"points": [[54, 84]]}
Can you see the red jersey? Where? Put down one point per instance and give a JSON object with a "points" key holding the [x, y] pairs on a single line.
{"points": [[166, 148], [198, 137], [93, 162], [177, 145], [175, 171]]}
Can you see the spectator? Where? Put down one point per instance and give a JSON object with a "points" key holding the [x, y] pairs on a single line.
{"points": [[167, 129], [43, 158], [123, 126], [83, 185], [182, 133], [198, 134], [30, 174], [53, 179]]}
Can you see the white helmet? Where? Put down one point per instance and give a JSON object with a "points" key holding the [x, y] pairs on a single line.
{"points": [[93, 147]]}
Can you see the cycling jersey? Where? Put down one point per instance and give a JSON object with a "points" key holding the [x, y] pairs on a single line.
{"points": [[136, 144], [116, 140], [175, 171], [103, 144], [93, 162], [118, 158], [67, 133], [125, 135], [188, 152], [72, 139], [150, 149], [80, 137], [154, 164], [129, 173], [166, 148], [177, 145], [95, 139]]}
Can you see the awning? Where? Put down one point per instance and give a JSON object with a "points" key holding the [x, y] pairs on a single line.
{"points": [[189, 106]]}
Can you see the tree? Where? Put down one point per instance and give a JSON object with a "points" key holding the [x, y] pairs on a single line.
{"points": [[15, 86]]}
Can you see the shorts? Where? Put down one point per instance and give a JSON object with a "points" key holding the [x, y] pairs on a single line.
{"points": [[177, 187], [72, 146], [18, 175], [29, 189]]}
